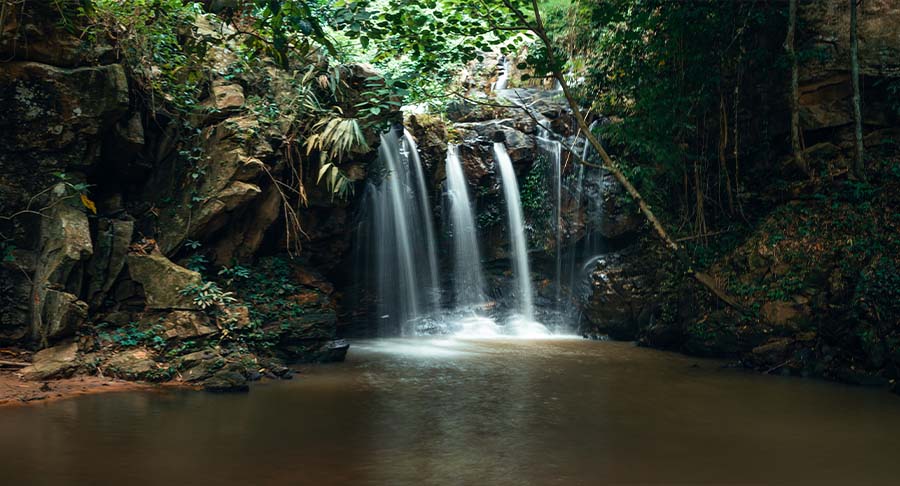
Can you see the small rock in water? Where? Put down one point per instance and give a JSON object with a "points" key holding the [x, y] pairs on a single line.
{"points": [[227, 381]]}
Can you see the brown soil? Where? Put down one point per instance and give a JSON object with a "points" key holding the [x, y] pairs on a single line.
{"points": [[16, 391]]}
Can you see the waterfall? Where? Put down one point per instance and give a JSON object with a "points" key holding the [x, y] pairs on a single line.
{"points": [[411, 151], [401, 234], [503, 80], [468, 282], [519, 250], [553, 151]]}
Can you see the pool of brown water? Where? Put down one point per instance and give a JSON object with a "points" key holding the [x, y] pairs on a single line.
{"points": [[484, 412]]}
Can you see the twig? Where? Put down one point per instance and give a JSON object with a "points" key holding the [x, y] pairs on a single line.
{"points": [[778, 366], [704, 235]]}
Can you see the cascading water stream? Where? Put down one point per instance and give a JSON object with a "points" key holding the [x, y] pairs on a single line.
{"points": [[394, 193], [411, 151], [503, 80], [468, 282], [518, 245], [399, 234], [553, 151]]}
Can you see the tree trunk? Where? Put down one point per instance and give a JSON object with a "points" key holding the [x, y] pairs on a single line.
{"points": [[859, 166], [796, 147]]}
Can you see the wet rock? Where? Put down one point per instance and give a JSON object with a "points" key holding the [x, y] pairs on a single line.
{"points": [[313, 279], [301, 338], [192, 359], [714, 336], [162, 281], [227, 380], [200, 365], [334, 351], [56, 362], [621, 300], [236, 316]]}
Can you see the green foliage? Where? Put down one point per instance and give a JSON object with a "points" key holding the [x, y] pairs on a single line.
{"points": [[665, 70], [267, 291], [153, 37], [283, 28], [208, 295], [6, 252], [134, 335], [536, 200], [424, 43], [878, 291]]}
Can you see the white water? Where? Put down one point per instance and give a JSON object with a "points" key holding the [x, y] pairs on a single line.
{"points": [[395, 193], [399, 238], [503, 80], [411, 151], [518, 245], [553, 151], [468, 282]]}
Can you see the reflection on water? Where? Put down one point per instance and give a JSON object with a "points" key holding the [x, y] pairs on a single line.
{"points": [[444, 411]]}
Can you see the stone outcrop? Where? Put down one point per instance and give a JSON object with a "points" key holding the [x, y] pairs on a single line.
{"points": [[162, 281], [65, 244], [825, 89]]}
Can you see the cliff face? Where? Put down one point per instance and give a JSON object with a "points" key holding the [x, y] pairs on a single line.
{"points": [[106, 196], [825, 89]]}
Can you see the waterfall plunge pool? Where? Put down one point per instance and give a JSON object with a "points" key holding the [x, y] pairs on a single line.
{"points": [[464, 411]]}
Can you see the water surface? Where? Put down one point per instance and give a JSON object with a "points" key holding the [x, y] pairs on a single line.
{"points": [[470, 412]]}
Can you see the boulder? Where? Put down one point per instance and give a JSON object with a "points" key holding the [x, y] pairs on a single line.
{"points": [[133, 364], [785, 314], [772, 353], [304, 338], [228, 97], [162, 281], [229, 379], [184, 325], [236, 316], [56, 362]]}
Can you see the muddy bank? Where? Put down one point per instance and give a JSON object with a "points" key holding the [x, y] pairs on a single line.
{"points": [[15, 391]]}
